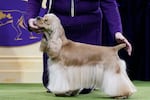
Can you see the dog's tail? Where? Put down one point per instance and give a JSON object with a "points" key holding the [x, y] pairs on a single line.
{"points": [[119, 46]]}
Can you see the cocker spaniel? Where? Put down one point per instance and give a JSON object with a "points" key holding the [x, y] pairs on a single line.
{"points": [[74, 66]]}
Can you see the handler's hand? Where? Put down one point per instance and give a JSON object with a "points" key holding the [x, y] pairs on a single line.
{"points": [[121, 39], [32, 25]]}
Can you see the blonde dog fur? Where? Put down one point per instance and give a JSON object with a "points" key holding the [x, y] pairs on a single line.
{"points": [[73, 66]]}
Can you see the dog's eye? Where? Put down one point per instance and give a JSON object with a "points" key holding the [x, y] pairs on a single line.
{"points": [[45, 20]]}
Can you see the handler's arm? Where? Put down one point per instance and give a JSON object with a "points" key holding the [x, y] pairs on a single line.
{"points": [[112, 15], [33, 8]]}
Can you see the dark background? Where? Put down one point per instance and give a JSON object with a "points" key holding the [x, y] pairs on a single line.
{"points": [[135, 15]]}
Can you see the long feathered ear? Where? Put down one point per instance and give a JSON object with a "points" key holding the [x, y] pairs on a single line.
{"points": [[44, 4], [43, 45]]}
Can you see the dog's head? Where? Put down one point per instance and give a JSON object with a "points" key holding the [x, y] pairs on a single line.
{"points": [[52, 29], [47, 22], [50, 25]]}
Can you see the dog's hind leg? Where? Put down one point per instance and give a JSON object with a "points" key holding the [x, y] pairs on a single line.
{"points": [[116, 82]]}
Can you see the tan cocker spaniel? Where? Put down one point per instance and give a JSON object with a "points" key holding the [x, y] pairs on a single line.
{"points": [[74, 66]]}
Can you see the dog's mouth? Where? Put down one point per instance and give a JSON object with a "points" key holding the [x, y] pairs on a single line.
{"points": [[41, 24], [38, 24]]}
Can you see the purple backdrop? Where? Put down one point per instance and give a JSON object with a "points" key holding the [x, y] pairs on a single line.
{"points": [[13, 26]]}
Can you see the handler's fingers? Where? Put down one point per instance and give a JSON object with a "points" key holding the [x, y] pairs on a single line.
{"points": [[121, 39], [128, 47], [32, 24]]}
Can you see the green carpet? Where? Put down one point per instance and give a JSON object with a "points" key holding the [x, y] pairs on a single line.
{"points": [[38, 92]]}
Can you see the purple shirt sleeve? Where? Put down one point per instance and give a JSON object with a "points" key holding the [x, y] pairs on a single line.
{"points": [[33, 8], [111, 13], [108, 7]]}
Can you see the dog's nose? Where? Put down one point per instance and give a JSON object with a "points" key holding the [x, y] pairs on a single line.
{"points": [[38, 17]]}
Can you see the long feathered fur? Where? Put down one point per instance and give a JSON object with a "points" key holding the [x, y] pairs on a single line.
{"points": [[74, 66]]}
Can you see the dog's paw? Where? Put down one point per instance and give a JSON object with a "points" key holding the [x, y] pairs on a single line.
{"points": [[121, 97], [75, 92], [68, 94]]}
